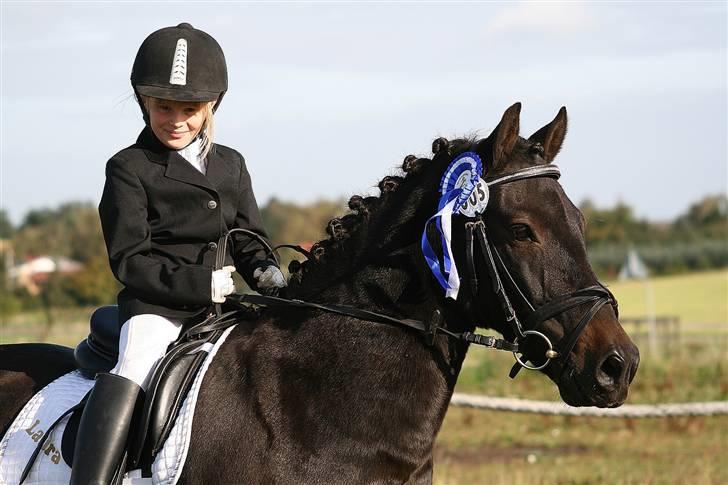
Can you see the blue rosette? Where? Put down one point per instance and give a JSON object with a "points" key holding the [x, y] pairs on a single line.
{"points": [[456, 185]]}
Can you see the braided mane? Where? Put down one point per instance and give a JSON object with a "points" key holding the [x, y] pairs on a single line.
{"points": [[376, 227]]}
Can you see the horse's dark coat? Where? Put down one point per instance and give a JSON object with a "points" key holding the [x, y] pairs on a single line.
{"points": [[308, 397]]}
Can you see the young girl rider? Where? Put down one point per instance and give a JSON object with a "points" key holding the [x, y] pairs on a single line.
{"points": [[167, 199]]}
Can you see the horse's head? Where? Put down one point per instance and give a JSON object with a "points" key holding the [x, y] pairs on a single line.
{"points": [[537, 248], [530, 237]]}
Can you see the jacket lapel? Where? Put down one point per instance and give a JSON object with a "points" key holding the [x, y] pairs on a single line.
{"points": [[218, 171], [180, 169]]}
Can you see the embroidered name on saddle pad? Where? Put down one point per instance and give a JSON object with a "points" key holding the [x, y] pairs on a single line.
{"points": [[30, 427]]}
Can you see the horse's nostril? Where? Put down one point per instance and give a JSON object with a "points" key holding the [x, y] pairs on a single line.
{"points": [[611, 371], [635, 364]]}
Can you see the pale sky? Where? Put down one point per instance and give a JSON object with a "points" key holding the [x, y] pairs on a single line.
{"points": [[326, 98]]}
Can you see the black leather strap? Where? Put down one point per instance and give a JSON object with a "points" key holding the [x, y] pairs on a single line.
{"points": [[498, 287], [275, 301], [225, 239], [210, 324], [548, 170], [430, 330], [565, 346], [511, 279], [563, 303], [470, 257], [295, 247]]}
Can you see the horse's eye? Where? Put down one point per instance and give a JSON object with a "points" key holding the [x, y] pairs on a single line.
{"points": [[522, 232]]}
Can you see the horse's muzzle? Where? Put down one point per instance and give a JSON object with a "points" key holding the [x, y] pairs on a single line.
{"points": [[605, 384]]}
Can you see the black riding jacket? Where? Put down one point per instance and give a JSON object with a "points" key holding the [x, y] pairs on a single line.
{"points": [[162, 218]]}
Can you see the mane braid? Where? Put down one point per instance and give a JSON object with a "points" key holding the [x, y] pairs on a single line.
{"points": [[368, 233]]}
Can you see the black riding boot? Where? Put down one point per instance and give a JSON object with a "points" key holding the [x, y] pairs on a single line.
{"points": [[103, 431]]}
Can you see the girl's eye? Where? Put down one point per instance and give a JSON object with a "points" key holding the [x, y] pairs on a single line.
{"points": [[190, 111], [521, 232]]}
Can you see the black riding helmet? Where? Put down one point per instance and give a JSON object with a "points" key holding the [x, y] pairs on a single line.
{"points": [[181, 64]]}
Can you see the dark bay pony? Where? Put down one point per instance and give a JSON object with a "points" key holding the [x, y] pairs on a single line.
{"points": [[304, 397]]}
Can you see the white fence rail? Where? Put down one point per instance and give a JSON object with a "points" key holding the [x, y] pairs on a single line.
{"points": [[561, 409]]}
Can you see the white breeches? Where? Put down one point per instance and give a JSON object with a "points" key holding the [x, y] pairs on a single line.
{"points": [[143, 341]]}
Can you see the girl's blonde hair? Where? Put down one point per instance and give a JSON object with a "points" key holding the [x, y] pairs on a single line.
{"points": [[207, 132]]}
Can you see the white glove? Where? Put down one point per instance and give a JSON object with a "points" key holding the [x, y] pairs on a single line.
{"points": [[269, 278], [222, 284]]}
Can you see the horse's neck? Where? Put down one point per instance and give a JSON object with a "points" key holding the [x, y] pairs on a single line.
{"points": [[403, 291], [333, 384]]}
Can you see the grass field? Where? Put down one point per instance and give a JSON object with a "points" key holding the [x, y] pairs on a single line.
{"points": [[480, 447], [700, 300], [483, 447]]}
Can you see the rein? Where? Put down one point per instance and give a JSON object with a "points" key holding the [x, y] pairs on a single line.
{"points": [[429, 329], [597, 295]]}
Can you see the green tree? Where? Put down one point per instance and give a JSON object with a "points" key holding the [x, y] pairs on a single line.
{"points": [[94, 284], [72, 230], [697, 239], [705, 219], [6, 226]]}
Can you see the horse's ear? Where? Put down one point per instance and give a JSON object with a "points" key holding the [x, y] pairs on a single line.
{"points": [[552, 135], [505, 135]]}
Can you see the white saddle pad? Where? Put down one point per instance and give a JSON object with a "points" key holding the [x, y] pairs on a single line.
{"points": [[56, 398]]}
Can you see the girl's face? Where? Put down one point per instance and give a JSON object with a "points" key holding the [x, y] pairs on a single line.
{"points": [[175, 123]]}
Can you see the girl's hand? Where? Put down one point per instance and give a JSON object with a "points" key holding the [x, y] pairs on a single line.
{"points": [[222, 284], [269, 280]]}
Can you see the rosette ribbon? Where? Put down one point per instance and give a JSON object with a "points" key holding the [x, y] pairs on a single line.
{"points": [[456, 185]]}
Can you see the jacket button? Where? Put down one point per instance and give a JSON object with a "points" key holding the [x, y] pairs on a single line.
{"points": [[212, 204], [212, 246]]}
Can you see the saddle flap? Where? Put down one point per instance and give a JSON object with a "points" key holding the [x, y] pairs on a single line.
{"points": [[169, 397], [167, 389]]}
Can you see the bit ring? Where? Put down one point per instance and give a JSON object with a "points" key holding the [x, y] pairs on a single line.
{"points": [[550, 352]]}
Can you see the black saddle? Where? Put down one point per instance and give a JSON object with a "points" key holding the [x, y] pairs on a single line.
{"points": [[168, 386]]}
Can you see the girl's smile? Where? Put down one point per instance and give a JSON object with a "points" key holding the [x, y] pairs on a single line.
{"points": [[177, 135], [175, 123]]}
